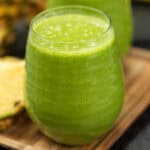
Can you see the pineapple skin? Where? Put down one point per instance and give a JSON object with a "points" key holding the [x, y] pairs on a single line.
{"points": [[11, 13]]}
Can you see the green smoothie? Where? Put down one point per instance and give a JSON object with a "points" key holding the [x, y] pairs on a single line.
{"points": [[118, 10], [74, 83]]}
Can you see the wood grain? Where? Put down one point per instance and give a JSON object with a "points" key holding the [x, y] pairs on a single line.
{"points": [[24, 135]]}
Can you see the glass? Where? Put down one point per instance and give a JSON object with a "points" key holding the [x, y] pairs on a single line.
{"points": [[118, 10], [74, 82]]}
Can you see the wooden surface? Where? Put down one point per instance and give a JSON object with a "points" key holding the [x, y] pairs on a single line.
{"points": [[24, 135]]}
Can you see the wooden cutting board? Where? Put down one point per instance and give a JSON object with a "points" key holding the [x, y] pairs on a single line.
{"points": [[24, 135]]}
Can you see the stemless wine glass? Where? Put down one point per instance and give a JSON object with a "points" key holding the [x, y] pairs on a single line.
{"points": [[118, 10], [74, 82]]}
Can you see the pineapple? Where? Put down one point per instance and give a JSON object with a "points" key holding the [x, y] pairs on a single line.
{"points": [[12, 14], [12, 76]]}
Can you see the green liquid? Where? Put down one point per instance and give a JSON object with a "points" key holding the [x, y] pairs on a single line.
{"points": [[118, 10], [74, 85]]}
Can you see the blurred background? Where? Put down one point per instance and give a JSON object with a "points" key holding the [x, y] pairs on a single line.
{"points": [[141, 16], [15, 16]]}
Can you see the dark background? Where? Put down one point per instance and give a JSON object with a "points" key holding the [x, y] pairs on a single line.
{"points": [[141, 16], [138, 135]]}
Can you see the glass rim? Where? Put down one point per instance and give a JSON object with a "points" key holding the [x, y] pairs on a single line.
{"points": [[73, 7]]}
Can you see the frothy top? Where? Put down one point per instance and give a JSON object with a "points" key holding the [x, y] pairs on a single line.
{"points": [[70, 28], [71, 32]]}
